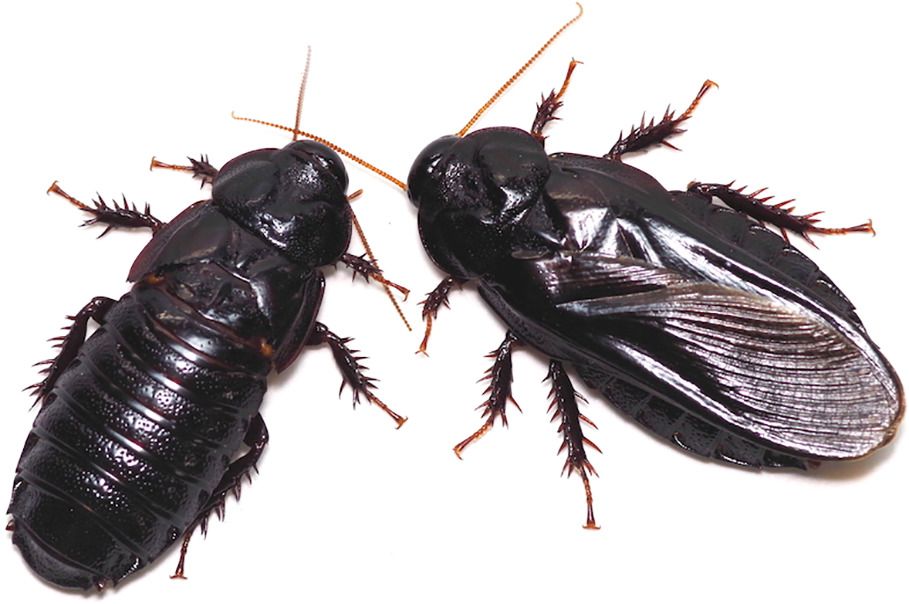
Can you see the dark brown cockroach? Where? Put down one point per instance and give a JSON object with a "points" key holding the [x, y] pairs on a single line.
{"points": [[142, 426], [694, 319]]}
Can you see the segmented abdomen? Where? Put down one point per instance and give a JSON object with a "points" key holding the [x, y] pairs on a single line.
{"points": [[132, 440]]}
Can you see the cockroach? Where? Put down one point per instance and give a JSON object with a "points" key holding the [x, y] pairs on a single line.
{"points": [[146, 426], [692, 318]]}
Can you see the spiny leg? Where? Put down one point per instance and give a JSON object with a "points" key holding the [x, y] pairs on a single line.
{"points": [[352, 371], [549, 105], [126, 216], [69, 345], [435, 300], [778, 214], [565, 409], [647, 135], [256, 438], [360, 265], [200, 168], [499, 390]]}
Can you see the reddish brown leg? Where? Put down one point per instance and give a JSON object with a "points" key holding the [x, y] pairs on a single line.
{"points": [[646, 135], [499, 390], [778, 214], [564, 408], [549, 105], [69, 345], [126, 216], [366, 269], [435, 300], [351, 370], [200, 168], [256, 438]]}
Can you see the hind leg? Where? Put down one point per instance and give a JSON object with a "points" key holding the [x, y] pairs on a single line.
{"points": [[778, 214], [256, 438]]}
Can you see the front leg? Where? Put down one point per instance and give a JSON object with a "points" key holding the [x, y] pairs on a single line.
{"points": [[366, 269]]}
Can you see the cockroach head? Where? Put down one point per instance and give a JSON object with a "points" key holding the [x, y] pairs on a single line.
{"points": [[495, 173], [474, 195], [294, 198]]}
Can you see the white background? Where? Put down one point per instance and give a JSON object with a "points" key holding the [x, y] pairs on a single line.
{"points": [[811, 103]]}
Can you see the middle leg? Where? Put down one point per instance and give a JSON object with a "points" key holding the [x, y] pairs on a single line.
{"points": [[126, 216], [646, 135], [352, 371]]}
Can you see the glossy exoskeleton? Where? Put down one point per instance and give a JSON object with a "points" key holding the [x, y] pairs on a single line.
{"points": [[694, 319], [141, 426]]}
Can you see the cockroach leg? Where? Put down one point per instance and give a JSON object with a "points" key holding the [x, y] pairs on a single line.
{"points": [[779, 214], [360, 265], [549, 105], [435, 300], [184, 547], [499, 390], [646, 135], [564, 407], [200, 168], [256, 439], [352, 372], [125, 216], [69, 345]]}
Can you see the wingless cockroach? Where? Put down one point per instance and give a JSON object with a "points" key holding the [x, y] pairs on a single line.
{"points": [[141, 426], [694, 319]]}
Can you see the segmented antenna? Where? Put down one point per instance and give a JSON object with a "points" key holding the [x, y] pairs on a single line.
{"points": [[519, 72], [296, 134], [327, 143], [300, 93]]}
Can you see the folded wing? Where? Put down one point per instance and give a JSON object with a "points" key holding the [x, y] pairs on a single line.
{"points": [[769, 367]]}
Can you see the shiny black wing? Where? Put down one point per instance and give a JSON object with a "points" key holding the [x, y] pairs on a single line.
{"points": [[770, 368]]}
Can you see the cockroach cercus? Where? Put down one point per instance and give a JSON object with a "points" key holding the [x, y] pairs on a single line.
{"points": [[146, 426]]}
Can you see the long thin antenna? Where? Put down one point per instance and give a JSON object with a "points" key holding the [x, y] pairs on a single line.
{"points": [[369, 253], [327, 143], [300, 93], [296, 133], [519, 72]]}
